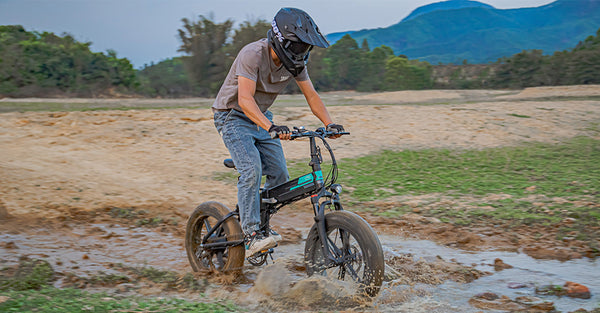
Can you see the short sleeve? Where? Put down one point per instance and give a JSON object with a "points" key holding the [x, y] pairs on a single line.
{"points": [[303, 75], [247, 63]]}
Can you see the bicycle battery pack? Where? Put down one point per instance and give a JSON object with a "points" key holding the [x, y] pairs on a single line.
{"points": [[302, 186]]}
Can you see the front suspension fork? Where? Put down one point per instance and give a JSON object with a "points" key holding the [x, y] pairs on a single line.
{"points": [[322, 228]]}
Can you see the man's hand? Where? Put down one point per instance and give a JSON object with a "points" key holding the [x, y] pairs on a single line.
{"points": [[283, 132], [335, 128]]}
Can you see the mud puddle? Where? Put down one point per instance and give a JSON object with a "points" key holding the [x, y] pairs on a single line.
{"points": [[88, 249], [421, 275], [525, 271]]}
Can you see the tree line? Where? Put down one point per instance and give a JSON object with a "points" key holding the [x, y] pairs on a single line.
{"points": [[210, 49], [45, 64], [532, 68]]}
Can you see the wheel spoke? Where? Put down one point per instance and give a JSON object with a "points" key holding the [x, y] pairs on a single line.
{"points": [[207, 225], [337, 253], [351, 271], [342, 272], [210, 258], [345, 238], [220, 261]]}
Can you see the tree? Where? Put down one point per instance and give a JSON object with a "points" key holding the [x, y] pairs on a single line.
{"points": [[318, 69], [374, 69], [365, 45], [42, 64], [165, 79], [402, 74], [344, 63], [524, 69], [205, 43], [246, 33]]}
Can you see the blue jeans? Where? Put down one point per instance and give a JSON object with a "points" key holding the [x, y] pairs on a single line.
{"points": [[254, 153]]}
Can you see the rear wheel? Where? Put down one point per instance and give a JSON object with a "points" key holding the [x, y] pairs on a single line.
{"points": [[356, 248], [222, 259]]}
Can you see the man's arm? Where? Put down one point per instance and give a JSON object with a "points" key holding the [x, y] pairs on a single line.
{"points": [[246, 90], [314, 101]]}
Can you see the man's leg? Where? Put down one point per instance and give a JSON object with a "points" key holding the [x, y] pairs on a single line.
{"points": [[273, 164], [272, 157], [238, 134]]}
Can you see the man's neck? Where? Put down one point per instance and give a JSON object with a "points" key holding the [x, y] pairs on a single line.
{"points": [[274, 57]]}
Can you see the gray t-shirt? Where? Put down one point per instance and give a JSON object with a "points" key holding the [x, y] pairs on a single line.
{"points": [[254, 62]]}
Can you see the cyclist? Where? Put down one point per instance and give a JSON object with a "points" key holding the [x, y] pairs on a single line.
{"points": [[259, 73]]}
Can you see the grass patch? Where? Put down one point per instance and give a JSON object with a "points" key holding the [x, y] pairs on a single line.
{"points": [[519, 115], [513, 210], [26, 288], [51, 299], [29, 274], [562, 179], [154, 274], [568, 169], [128, 213], [140, 216]]}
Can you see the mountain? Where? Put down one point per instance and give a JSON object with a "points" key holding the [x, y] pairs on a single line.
{"points": [[478, 33], [446, 5]]}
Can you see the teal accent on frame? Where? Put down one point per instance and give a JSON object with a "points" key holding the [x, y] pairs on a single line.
{"points": [[304, 180], [319, 175]]}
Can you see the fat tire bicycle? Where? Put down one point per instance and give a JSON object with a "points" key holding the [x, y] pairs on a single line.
{"points": [[340, 244]]}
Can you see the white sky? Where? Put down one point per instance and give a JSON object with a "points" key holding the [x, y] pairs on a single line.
{"points": [[145, 31]]}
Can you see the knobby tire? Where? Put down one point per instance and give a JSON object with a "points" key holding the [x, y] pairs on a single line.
{"points": [[204, 217], [352, 239]]}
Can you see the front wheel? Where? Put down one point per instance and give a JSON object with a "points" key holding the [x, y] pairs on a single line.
{"points": [[221, 257], [354, 246]]}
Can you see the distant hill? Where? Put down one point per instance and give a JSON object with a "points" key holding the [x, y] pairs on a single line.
{"points": [[446, 5], [457, 30]]}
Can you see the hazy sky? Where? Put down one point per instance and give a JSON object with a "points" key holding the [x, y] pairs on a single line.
{"points": [[145, 31]]}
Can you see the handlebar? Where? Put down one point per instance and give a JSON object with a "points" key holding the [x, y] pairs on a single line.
{"points": [[320, 132]]}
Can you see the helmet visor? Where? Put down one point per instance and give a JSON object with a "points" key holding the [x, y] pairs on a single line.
{"points": [[297, 47]]}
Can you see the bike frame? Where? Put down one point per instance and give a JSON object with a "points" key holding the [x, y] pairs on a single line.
{"points": [[273, 199]]}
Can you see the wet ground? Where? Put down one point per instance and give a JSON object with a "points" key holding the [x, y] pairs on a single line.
{"points": [[421, 275]]}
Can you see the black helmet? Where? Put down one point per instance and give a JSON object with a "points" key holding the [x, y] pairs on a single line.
{"points": [[292, 35]]}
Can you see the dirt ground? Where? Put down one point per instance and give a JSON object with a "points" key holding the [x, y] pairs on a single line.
{"points": [[64, 171]]}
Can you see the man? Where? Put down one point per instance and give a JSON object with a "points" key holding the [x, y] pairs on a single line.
{"points": [[259, 73]]}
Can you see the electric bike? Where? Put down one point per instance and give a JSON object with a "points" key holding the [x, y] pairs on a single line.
{"points": [[340, 244]]}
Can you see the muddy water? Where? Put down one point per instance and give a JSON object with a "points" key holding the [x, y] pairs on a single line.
{"points": [[526, 270], [86, 250]]}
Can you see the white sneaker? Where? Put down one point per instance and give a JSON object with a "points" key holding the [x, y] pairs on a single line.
{"points": [[275, 235], [256, 243]]}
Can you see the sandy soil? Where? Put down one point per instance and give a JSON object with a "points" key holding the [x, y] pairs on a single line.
{"points": [[90, 160], [57, 167]]}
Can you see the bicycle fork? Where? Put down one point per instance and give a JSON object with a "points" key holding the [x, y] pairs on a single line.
{"points": [[330, 259]]}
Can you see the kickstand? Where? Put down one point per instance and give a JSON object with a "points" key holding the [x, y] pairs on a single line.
{"points": [[271, 256]]}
